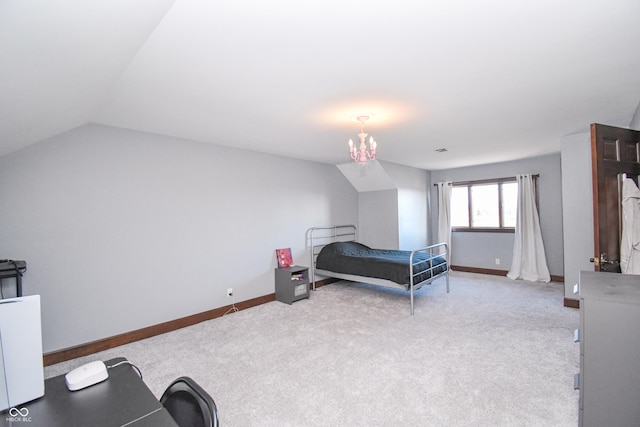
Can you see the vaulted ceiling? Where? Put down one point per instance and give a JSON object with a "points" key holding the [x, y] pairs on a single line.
{"points": [[489, 81]]}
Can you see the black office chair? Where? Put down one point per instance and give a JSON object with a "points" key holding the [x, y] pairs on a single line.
{"points": [[189, 404]]}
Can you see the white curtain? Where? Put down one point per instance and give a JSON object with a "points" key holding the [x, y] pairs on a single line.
{"points": [[444, 215], [630, 242], [529, 260]]}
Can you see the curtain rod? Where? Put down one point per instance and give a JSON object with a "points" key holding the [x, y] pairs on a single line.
{"points": [[480, 181]]}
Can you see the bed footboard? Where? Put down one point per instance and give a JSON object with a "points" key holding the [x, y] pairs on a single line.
{"points": [[433, 271]]}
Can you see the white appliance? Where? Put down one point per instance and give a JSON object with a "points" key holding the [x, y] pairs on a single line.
{"points": [[21, 367]]}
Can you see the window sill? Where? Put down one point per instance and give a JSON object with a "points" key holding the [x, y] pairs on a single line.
{"points": [[483, 230]]}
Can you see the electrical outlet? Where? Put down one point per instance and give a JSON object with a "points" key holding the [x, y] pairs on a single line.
{"points": [[229, 292], [497, 261]]}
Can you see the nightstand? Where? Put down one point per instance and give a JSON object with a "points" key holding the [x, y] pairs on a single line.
{"points": [[292, 283]]}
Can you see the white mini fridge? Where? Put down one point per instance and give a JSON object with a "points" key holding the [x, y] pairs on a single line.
{"points": [[21, 368]]}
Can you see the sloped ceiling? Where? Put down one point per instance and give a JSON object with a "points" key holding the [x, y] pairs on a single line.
{"points": [[59, 60], [490, 81], [369, 177]]}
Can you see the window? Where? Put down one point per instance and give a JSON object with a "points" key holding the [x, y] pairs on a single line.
{"points": [[489, 205]]}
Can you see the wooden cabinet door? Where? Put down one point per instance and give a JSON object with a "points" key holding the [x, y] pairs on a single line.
{"points": [[614, 151]]}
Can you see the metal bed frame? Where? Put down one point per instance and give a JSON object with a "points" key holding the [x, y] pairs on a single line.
{"points": [[319, 237]]}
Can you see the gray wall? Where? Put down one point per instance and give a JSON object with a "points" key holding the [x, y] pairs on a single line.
{"points": [[394, 218], [123, 229], [635, 120], [378, 218], [412, 204], [577, 207], [481, 249]]}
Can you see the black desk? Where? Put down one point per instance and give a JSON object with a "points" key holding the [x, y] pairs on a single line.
{"points": [[9, 269], [123, 399]]}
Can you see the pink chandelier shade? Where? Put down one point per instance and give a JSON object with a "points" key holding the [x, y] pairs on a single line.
{"points": [[361, 155]]}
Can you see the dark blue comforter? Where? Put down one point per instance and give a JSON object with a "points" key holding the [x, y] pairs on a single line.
{"points": [[361, 260]]}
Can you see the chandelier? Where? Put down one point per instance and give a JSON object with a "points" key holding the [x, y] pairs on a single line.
{"points": [[361, 154]]}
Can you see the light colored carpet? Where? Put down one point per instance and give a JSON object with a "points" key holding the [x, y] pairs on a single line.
{"points": [[493, 352]]}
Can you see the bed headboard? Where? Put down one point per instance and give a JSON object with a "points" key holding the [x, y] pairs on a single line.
{"points": [[319, 237]]}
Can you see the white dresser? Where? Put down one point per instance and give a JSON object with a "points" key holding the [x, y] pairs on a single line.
{"points": [[609, 336]]}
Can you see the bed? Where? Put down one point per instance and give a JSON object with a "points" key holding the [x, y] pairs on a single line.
{"points": [[336, 253]]}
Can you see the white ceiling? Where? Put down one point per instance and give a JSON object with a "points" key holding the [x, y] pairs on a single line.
{"points": [[490, 81]]}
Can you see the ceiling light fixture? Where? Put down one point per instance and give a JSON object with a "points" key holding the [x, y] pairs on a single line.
{"points": [[361, 155]]}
